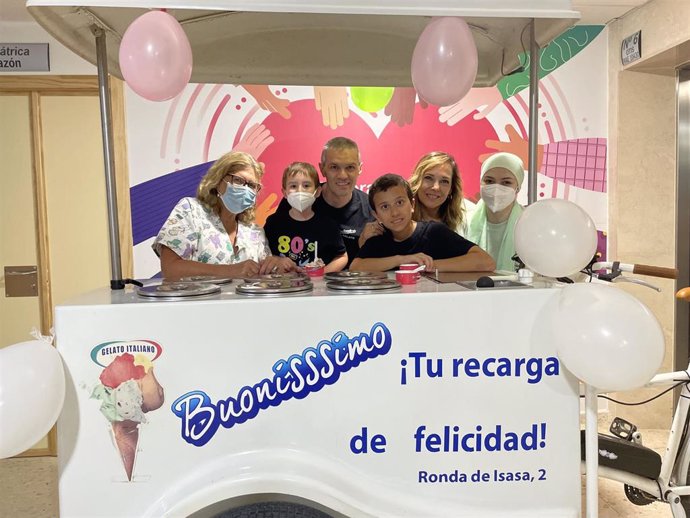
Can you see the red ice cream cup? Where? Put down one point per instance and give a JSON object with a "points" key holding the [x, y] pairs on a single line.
{"points": [[410, 266], [406, 276], [314, 271]]}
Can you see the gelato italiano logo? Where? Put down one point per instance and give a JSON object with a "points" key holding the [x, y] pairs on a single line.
{"points": [[294, 377], [106, 352], [127, 390]]}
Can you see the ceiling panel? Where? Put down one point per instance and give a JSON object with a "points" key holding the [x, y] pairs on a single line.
{"points": [[593, 11]]}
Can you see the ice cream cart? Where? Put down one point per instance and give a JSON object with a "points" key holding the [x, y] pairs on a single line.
{"points": [[358, 403], [424, 400]]}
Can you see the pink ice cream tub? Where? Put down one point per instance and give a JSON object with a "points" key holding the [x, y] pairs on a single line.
{"points": [[315, 269], [406, 276], [410, 266]]}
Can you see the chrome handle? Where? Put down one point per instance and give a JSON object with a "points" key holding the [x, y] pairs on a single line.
{"points": [[637, 281]]}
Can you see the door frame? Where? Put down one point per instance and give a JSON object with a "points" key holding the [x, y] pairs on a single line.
{"points": [[35, 87], [682, 323]]}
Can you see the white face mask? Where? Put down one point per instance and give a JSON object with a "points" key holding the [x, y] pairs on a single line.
{"points": [[300, 200], [497, 197]]}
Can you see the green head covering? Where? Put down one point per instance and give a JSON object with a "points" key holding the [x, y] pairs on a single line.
{"points": [[507, 161], [477, 230]]}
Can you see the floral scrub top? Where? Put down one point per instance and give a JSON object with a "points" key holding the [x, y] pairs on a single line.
{"points": [[196, 233]]}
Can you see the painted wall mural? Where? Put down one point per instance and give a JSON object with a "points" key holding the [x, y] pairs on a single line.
{"points": [[172, 144]]}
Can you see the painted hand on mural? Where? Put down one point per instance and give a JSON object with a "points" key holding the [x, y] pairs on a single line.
{"points": [[268, 101], [515, 145], [401, 106], [255, 140], [331, 101], [483, 100], [267, 207]]}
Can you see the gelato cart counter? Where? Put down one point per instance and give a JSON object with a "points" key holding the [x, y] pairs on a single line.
{"points": [[423, 400]]}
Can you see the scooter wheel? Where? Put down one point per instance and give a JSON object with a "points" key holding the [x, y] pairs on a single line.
{"points": [[637, 496]]}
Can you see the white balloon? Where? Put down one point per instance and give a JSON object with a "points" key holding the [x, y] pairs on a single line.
{"points": [[555, 238], [32, 391], [606, 337]]}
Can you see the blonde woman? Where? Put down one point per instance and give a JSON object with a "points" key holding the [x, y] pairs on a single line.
{"points": [[437, 189], [214, 233]]}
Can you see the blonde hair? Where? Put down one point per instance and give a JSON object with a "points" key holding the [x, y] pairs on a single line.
{"points": [[207, 192], [451, 211], [301, 167], [339, 144]]}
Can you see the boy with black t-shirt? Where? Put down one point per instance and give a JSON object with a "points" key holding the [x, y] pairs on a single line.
{"points": [[406, 241], [299, 233]]}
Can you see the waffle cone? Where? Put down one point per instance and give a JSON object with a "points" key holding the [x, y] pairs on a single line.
{"points": [[126, 438]]}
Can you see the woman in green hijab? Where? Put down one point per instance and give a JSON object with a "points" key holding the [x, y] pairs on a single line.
{"points": [[492, 225]]}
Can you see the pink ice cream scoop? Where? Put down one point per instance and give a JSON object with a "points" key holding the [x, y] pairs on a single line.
{"points": [[121, 369]]}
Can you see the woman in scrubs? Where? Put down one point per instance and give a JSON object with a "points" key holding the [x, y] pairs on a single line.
{"points": [[492, 225], [214, 233]]}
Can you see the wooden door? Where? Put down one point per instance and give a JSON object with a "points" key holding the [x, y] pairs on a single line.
{"points": [[52, 198]]}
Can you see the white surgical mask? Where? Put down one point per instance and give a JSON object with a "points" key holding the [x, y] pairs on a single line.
{"points": [[497, 197], [300, 200]]}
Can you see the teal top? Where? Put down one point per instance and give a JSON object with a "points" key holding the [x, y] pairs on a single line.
{"points": [[497, 239]]}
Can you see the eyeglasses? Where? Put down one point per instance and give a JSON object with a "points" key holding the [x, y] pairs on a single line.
{"points": [[238, 181]]}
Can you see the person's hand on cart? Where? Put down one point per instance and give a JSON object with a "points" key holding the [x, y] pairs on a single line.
{"points": [[420, 259], [277, 264], [243, 270]]}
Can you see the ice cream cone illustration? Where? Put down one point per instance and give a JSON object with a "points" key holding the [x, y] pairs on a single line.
{"points": [[128, 390], [126, 435]]}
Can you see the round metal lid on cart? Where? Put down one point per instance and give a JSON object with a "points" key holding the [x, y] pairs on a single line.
{"points": [[363, 285], [205, 279], [177, 290], [282, 277], [346, 275], [274, 287]]}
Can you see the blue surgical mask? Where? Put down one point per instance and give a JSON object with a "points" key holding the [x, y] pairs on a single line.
{"points": [[238, 199]]}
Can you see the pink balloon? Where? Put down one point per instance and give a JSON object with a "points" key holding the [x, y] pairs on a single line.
{"points": [[155, 56], [444, 62]]}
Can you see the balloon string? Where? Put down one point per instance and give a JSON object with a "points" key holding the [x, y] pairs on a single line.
{"points": [[44, 338]]}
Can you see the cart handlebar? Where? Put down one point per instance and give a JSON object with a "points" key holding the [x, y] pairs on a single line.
{"points": [[683, 294], [641, 269]]}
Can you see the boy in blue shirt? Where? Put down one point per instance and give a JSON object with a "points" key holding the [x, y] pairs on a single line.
{"points": [[429, 243]]}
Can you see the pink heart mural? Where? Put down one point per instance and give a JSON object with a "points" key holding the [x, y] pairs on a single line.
{"points": [[396, 150]]}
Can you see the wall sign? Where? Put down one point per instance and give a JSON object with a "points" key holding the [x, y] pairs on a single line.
{"points": [[24, 57], [631, 48]]}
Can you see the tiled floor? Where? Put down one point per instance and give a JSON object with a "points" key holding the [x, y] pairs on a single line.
{"points": [[28, 489]]}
